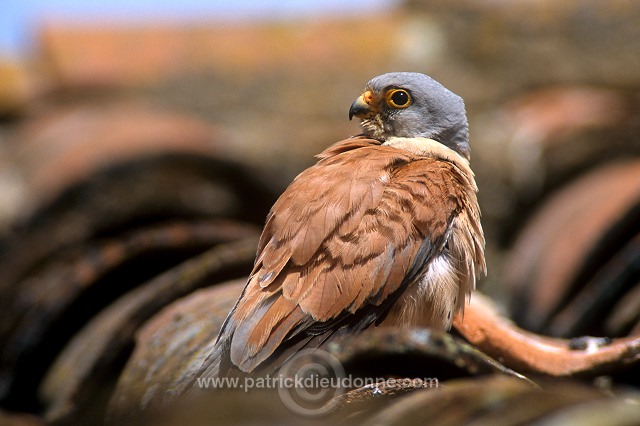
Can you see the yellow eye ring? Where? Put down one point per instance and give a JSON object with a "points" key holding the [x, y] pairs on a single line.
{"points": [[397, 98]]}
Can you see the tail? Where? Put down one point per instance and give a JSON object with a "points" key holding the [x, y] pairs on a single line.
{"points": [[216, 363]]}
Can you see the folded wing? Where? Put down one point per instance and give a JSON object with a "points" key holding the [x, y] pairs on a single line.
{"points": [[342, 243]]}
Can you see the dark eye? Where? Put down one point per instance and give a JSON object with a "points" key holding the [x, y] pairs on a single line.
{"points": [[398, 98]]}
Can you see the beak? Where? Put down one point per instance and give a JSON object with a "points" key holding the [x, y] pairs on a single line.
{"points": [[362, 107]]}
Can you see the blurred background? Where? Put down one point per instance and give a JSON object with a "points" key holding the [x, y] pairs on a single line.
{"points": [[123, 120]]}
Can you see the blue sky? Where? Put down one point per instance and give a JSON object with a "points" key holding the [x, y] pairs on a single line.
{"points": [[19, 18]]}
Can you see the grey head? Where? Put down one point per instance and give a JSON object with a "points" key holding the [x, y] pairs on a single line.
{"points": [[410, 105]]}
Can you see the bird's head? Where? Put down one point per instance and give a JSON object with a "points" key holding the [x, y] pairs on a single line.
{"points": [[411, 105]]}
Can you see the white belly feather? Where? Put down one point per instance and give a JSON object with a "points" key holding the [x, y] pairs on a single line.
{"points": [[431, 301]]}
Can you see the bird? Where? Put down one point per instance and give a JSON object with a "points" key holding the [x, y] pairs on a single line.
{"points": [[384, 230]]}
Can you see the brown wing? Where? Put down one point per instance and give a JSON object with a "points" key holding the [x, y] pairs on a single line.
{"points": [[346, 235]]}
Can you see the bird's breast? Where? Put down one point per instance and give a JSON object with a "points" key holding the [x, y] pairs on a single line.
{"points": [[430, 301]]}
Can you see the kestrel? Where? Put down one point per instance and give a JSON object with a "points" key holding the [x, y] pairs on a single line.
{"points": [[384, 230]]}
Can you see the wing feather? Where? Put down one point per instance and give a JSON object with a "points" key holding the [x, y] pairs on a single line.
{"points": [[345, 239]]}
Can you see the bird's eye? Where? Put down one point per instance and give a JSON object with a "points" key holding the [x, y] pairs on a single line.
{"points": [[398, 98]]}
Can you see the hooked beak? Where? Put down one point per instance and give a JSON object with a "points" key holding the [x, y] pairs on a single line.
{"points": [[362, 107]]}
